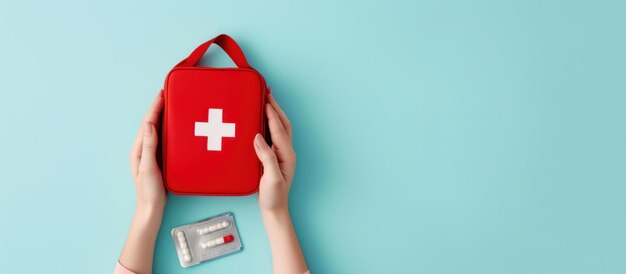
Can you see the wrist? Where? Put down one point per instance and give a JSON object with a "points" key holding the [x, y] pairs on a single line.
{"points": [[279, 215], [149, 212]]}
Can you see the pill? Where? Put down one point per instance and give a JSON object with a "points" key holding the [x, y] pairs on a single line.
{"points": [[185, 251], [187, 258], [218, 241], [214, 227], [228, 238], [180, 234], [183, 245]]}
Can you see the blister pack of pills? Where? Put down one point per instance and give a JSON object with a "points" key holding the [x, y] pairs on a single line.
{"points": [[206, 239]]}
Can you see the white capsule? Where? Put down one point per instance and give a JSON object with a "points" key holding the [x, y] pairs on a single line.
{"points": [[180, 234], [183, 245], [187, 258], [213, 227], [185, 251], [210, 244]]}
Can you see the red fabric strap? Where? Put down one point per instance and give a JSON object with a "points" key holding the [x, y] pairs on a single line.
{"points": [[225, 42]]}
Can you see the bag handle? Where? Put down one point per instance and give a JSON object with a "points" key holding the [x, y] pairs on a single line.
{"points": [[226, 43]]}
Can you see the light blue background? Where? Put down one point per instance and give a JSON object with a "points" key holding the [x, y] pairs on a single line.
{"points": [[432, 136]]}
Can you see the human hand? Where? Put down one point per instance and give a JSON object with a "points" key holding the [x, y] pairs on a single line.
{"points": [[279, 164], [145, 170], [279, 161], [139, 247]]}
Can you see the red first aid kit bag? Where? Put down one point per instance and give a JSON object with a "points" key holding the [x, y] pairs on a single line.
{"points": [[210, 120]]}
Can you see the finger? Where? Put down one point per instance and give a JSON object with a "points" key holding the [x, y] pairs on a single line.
{"points": [[148, 148], [281, 144], [151, 116], [154, 112], [281, 114], [267, 157], [135, 152], [277, 130]]}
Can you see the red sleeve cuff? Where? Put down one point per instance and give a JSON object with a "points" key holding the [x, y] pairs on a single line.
{"points": [[120, 269]]}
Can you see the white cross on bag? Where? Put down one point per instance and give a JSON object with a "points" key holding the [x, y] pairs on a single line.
{"points": [[214, 130]]}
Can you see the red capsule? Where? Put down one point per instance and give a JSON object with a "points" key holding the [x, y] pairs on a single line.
{"points": [[228, 238]]}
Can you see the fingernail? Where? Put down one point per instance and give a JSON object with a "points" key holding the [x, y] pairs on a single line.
{"points": [[258, 141], [147, 128]]}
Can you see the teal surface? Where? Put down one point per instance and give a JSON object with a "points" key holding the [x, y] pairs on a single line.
{"points": [[432, 136]]}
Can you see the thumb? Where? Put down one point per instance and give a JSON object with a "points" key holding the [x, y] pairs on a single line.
{"points": [[267, 157], [148, 147]]}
